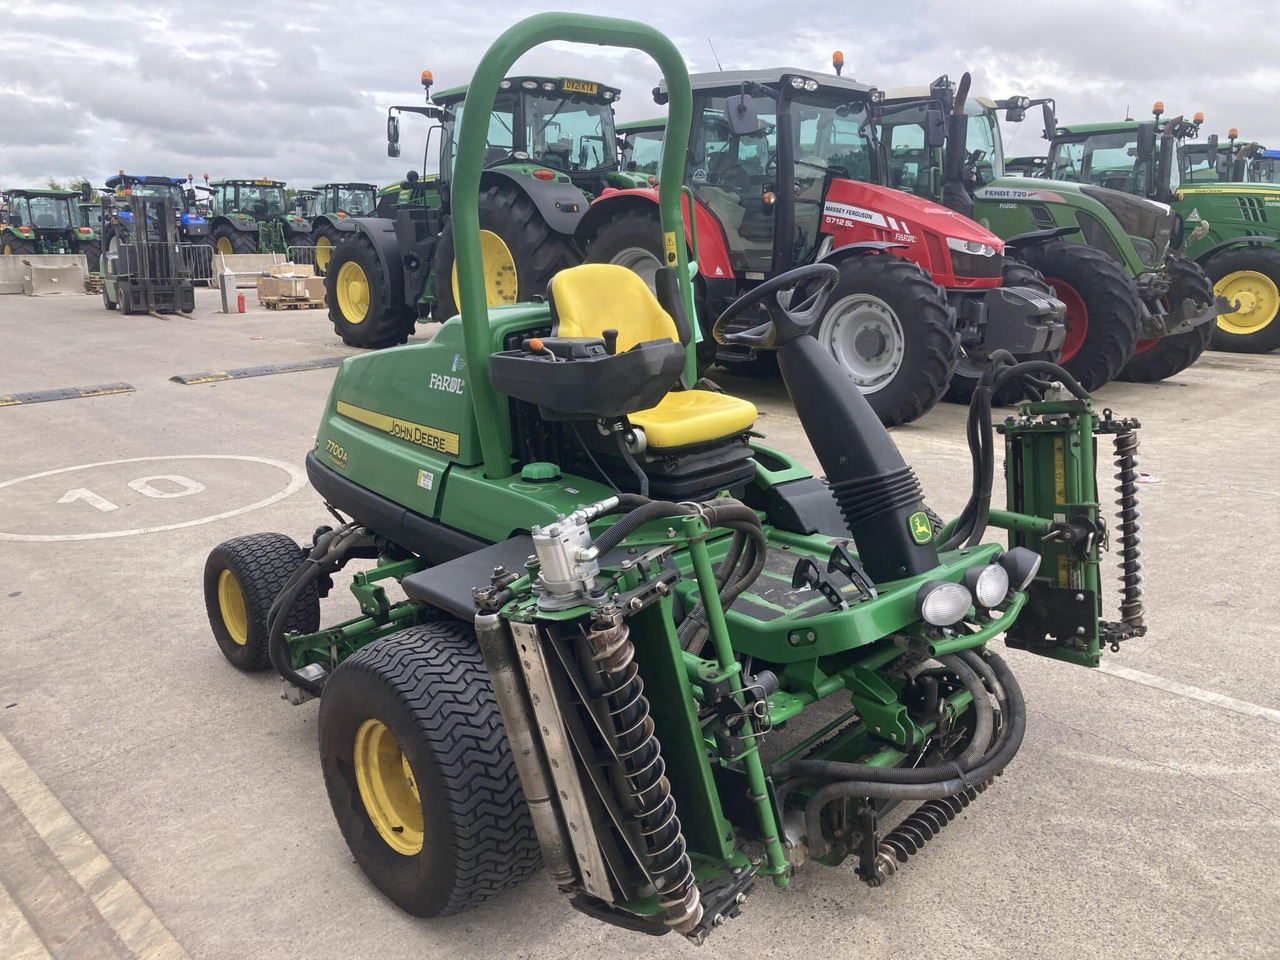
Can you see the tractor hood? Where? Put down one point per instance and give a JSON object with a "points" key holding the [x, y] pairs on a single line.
{"points": [[902, 215]]}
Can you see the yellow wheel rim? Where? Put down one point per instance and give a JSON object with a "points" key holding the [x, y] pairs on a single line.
{"points": [[500, 282], [324, 249], [1258, 297], [387, 787], [231, 605], [8, 250], [223, 245], [353, 292]]}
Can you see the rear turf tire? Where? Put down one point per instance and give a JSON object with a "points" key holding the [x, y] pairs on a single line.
{"points": [[891, 329], [242, 579], [1252, 273], [418, 705], [365, 310], [1104, 311], [92, 250], [226, 239], [1161, 358], [968, 369], [633, 240], [536, 251]]}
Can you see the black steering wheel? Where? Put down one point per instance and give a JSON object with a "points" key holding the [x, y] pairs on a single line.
{"points": [[784, 323]]}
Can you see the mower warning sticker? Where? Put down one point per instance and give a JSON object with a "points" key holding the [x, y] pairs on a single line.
{"points": [[847, 215], [669, 247], [441, 441]]}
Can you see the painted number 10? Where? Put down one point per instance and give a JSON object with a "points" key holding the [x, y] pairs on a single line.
{"points": [[143, 485]]}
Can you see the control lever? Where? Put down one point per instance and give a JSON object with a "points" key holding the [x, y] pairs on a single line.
{"points": [[610, 341], [808, 574], [845, 562]]}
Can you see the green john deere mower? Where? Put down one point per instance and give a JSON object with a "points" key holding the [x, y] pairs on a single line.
{"points": [[1226, 228], [549, 148], [615, 595]]}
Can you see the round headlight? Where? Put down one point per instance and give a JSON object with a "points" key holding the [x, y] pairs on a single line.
{"points": [[942, 603], [989, 585], [529, 84], [1022, 565], [505, 85], [548, 85], [797, 82], [811, 85]]}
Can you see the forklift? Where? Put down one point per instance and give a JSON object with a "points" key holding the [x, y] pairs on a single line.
{"points": [[143, 267]]}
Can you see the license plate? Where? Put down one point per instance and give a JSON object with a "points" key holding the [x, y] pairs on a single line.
{"points": [[579, 86]]}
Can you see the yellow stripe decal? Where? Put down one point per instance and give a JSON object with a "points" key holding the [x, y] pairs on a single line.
{"points": [[440, 441], [1059, 471]]}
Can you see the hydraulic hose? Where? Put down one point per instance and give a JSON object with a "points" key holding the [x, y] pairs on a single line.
{"points": [[637, 518], [1006, 746]]}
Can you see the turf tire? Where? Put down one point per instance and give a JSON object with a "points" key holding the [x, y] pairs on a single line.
{"points": [[1110, 297], [1160, 359], [1260, 259], [388, 321], [429, 686], [930, 345], [260, 563]]}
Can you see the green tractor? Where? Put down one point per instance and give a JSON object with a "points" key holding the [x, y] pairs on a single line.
{"points": [[1210, 162], [331, 210], [551, 147], [615, 596], [1226, 228], [251, 216], [1136, 308], [49, 221]]}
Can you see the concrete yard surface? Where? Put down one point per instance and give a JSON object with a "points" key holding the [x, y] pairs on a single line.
{"points": [[156, 802]]}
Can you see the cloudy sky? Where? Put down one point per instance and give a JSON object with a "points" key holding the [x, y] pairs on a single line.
{"points": [[298, 91]]}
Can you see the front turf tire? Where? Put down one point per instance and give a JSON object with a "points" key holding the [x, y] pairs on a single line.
{"points": [[416, 709], [1104, 311], [1252, 276], [365, 310], [242, 578], [1161, 358], [891, 329], [536, 252]]}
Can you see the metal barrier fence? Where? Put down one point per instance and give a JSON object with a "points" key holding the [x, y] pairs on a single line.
{"points": [[198, 258], [305, 255]]}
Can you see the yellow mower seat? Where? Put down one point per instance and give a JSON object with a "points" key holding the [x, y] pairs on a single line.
{"points": [[594, 297]]}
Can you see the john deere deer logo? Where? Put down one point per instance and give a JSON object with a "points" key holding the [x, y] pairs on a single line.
{"points": [[921, 531]]}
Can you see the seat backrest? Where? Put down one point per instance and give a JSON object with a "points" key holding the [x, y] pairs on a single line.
{"points": [[587, 300]]}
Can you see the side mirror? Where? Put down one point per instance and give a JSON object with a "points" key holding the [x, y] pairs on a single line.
{"points": [[1050, 120], [740, 114], [935, 129], [86, 191], [1146, 141], [191, 196], [1213, 150], [393, 136]]}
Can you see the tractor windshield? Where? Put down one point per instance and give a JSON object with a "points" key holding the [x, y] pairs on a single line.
{"points": [[1194, 159], [1102, 159], [569, 134], [642, 152], [355, 201], [983, 134], [169, 191], [261, 200], [1265, 170], [49, 213]]}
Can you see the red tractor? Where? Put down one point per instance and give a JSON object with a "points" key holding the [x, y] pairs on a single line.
{"points": [[783, 166]]}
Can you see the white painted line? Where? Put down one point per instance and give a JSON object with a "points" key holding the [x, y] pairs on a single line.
{"points": [[130, 916], [18, 939], [297, 480], [1192, 693]]}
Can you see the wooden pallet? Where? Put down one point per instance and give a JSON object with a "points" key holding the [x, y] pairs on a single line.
{"points": [[92, 284], [291, 303]]}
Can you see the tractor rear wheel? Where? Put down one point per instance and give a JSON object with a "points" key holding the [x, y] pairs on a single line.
{"points": [[891, 329], [227, 240], [1104, 311], [17, 247], [420, 774], [364, 309], [521, 253], [633, 240], [1251, 277], [242, 579], [325, 238], [92, 250], [1161, 357], [969, 368]]}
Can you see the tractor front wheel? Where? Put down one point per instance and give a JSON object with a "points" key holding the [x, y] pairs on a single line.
{"points": [[420, 774], [242, 579], [364, 309], [1161, 357], [1104, 311], [227, 240], [1249, 276], [891, 329], [521, 253], [970, 367]]}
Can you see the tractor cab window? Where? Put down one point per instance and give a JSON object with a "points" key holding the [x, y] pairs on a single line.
{"points": [[50, 213], [909, 162], [982, 134], [356, 202], [829, 141], [643, 152], [262, 201], [569, 134], [500, 139], [1194, 161], [1102, 159], [736, 178]]}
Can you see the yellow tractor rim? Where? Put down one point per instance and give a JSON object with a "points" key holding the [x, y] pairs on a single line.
{"points": [[8, 250], [223, 245], [387, 787], [231, 605], [353, 292], [1258, 297], [501, 284], [324, 249]]}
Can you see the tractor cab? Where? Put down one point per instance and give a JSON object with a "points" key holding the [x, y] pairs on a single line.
{"points": [[254, 216], [344, 200], [640, 143], [262, 199]]}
